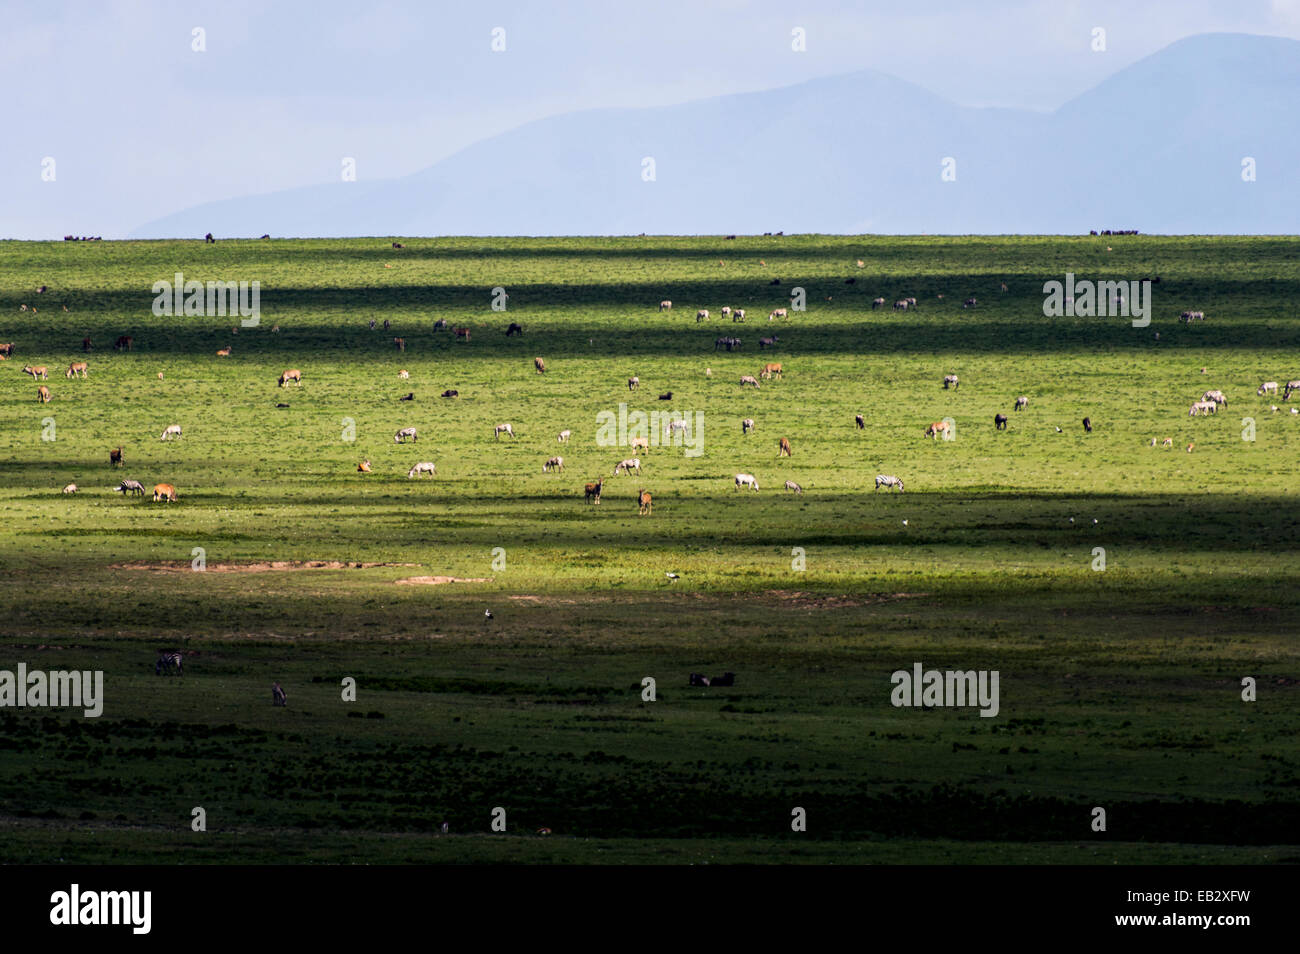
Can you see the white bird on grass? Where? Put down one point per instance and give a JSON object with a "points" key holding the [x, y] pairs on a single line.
{"points": [[672, 576], [487, 614]]}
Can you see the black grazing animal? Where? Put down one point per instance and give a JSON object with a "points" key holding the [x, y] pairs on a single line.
{"points": [[1000, 421], [409, 397], [514, 329], [857, 418], [775, 281], [282, 405], [398, 245], [209, 240], [698, 679], [267, 235], [450, 393], [666, 397], [850, 281], [1087, 425], [731, 238], [115, 457]]}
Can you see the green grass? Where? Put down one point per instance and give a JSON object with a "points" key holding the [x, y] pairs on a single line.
{"points": [[1119, 688]]}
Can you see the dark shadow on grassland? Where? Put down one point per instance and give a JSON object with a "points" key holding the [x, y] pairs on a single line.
{"points": [[1000, 324], [592, 793], [998, 522]]}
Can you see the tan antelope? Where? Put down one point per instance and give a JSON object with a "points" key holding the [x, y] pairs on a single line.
{"points": [[363, 467], [293, 374], [937, 428], [640, 443], [592, 491], [643, 503], [164, 492], [38, 372], [43, 394], [748, 379], [540, 365], [77, 368], [461, 333], [403, 374], [224, 352], [123, 343], [770, 370], [784, 450], [70, 489]]}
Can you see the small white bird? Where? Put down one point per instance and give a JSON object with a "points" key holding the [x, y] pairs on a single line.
{"points": [[1094, 520], [487, 614], [904, 523], [1071, 520], [1058, 430], [672, 576]]}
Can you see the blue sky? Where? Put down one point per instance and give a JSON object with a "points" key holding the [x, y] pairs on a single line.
{"points": [[140, 125]]}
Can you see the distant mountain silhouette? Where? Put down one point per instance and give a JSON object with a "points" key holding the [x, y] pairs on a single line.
{"points": [[1156, 147]]}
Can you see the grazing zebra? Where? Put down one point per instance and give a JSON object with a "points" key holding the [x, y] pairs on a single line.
{"points": [[911, 302], [778, 313], [278, 697], [644, 503], [1000, 422], [887, 480], [738, 315], [969, 303], [858, 420], [1022, 402], [173, 430], [1190, 316], [791, 485], [901, 305], [950, 381], [783, 450], [675, 426], [504, 429], [70, 489], [633, 383], [702, 314], [553, 463], [404, 433], [168, 660], [726, 311], [746, 425], [878, 303], [1290, 386], [1217, 397], [768, 342], [1268, 387], [592, 491], [564, 437], [423, 467], [1203, 408], [131, 487], [746, 480], [627, 466], [665, 305], [748, 379]]}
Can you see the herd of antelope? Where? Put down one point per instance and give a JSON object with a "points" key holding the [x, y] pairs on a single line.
{"points": [[1209, 402]]}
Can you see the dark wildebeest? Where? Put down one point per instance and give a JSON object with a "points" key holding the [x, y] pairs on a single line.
{"points": [[1000, 421], [409, 397], [857, 419], [209, 240], [514, 329], [123, 343], [666, 397], [115, 457], [450, 393], [1087, 425], [398, 245]]}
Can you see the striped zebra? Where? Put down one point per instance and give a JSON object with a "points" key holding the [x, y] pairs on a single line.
{"points": [[168, 660], [886, 480]]}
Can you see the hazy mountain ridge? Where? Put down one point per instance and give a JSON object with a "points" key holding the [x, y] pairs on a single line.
{"points": [[1158, 147]]}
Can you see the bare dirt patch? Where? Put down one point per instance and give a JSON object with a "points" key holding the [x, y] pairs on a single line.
{"points": [[438, 580], [256, 567]]}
